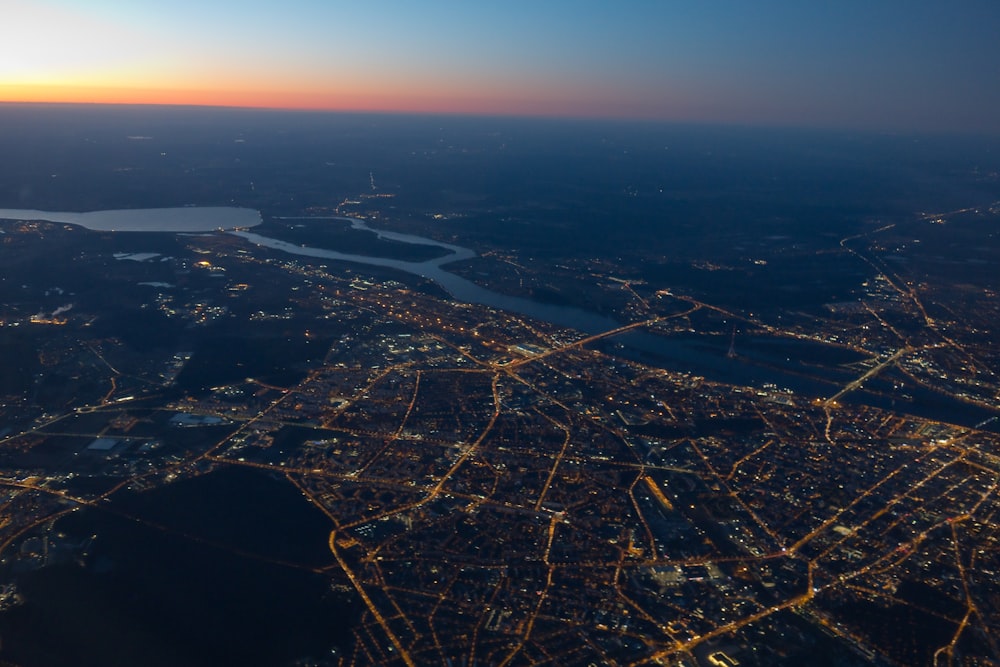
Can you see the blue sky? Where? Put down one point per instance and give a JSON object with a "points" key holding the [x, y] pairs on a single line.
{"points": [[887, 65]]}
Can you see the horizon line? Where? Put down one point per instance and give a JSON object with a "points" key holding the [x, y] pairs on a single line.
{"points": [[522, 115]]}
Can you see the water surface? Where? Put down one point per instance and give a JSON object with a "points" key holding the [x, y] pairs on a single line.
{"points": [[178, 219]]}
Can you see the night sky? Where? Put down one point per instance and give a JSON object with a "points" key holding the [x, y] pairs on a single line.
{"points": [[886, 65]]}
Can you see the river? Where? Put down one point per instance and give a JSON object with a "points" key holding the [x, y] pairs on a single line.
{"points": [[698, 356], [694, 355], [177, 219], [676, 354]]}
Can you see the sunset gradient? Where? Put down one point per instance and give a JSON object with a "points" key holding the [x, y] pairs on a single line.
{"points": [[891, 64]]}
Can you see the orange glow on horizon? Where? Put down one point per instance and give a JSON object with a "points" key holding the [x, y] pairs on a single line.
{"points": [[61, 94], [417, 100]]}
